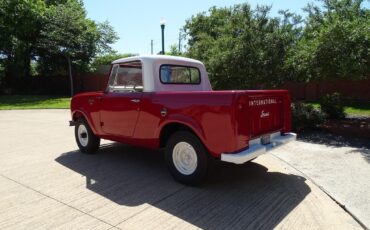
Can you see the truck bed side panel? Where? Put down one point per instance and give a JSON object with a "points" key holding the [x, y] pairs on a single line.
{"points": [[208, 114]]}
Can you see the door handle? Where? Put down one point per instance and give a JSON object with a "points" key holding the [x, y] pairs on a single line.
{"points": [[91, 101], [135, 100]]}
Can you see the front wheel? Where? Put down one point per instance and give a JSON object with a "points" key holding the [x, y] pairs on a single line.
{"points": [[86, 140], [186, 158]]}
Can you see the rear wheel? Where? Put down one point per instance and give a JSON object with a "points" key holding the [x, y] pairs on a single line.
{"points": [[186, 158], [86, 140]]}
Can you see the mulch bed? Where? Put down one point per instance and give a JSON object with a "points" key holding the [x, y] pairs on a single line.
{"points": [[353, 126]]}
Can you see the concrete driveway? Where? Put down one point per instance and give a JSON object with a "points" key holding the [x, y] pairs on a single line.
{"points": [[45, 183], [338, 165]]}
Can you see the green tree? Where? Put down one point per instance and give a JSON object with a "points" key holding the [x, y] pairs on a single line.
{"points": [[242, 47], [174, 51], [68, 34], [55, 33], [20, 23], [107, 59], [106, 37], [335, 42]]}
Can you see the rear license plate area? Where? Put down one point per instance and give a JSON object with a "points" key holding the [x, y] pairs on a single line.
{"points": [[266, 139]]}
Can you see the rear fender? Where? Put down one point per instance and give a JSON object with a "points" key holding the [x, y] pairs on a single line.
{"points": [[186, 121]]}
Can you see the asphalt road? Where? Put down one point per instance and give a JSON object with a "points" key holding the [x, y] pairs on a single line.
{"points": [[45, 183]]}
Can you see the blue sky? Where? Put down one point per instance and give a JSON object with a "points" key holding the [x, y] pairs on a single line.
{"points": [[137, 22]]}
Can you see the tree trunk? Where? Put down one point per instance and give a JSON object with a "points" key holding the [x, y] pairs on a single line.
{"points": [[27, 67], [7, 71], [70, 73], [27, 61]]}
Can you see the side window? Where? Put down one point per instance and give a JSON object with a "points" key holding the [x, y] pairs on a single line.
{"points": [[172, 74], [126, 77], [112, 76]]}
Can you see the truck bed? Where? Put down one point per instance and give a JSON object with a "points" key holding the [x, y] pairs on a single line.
{"points": [[228, 120]]}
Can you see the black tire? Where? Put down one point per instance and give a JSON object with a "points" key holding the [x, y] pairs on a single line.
{"points": [[92, 142], [197, 176]]}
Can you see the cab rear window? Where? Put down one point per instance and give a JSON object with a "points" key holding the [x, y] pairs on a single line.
{"points": [[174, 74]]}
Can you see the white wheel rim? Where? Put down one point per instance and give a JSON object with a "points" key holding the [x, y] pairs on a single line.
{"points": [[184, 158], [83, 137]]}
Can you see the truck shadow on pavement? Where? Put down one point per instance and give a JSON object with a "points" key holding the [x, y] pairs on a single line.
{"points": [[234, 196], [362, 145]]}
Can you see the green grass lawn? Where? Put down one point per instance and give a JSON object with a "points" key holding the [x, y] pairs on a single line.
{"points": [[33, 102], [352, 108], [358, 108]]}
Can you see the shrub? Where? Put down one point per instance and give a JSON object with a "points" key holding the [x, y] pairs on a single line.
{"points": [[305, 116], [332, 106]]}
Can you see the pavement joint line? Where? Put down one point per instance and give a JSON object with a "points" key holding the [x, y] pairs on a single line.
{"points": [[158, 201], [59, 201], [326, 192]]}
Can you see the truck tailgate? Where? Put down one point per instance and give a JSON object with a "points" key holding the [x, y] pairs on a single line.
{"points": [[263, 123], [266, 113]]}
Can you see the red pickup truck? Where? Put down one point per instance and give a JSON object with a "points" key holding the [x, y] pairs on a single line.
{"points": [[167, 102]]}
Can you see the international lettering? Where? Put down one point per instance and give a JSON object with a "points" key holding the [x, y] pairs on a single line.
{"points": [[259, 102]]}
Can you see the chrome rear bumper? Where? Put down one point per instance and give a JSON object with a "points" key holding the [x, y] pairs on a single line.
{"points": [[256, 148]]}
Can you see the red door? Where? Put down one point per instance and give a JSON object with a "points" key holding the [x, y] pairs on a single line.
{"points": [[119, 113]]}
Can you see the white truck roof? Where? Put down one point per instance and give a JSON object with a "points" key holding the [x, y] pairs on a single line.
{"points": [[145, 58], [151, 67]]}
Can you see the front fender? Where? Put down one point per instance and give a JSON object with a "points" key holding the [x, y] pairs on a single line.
{"points": [[83, 113], [87, 105]]}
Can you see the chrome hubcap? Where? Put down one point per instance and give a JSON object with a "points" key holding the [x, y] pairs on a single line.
{"points": [[184, 158], [83, 138]]}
